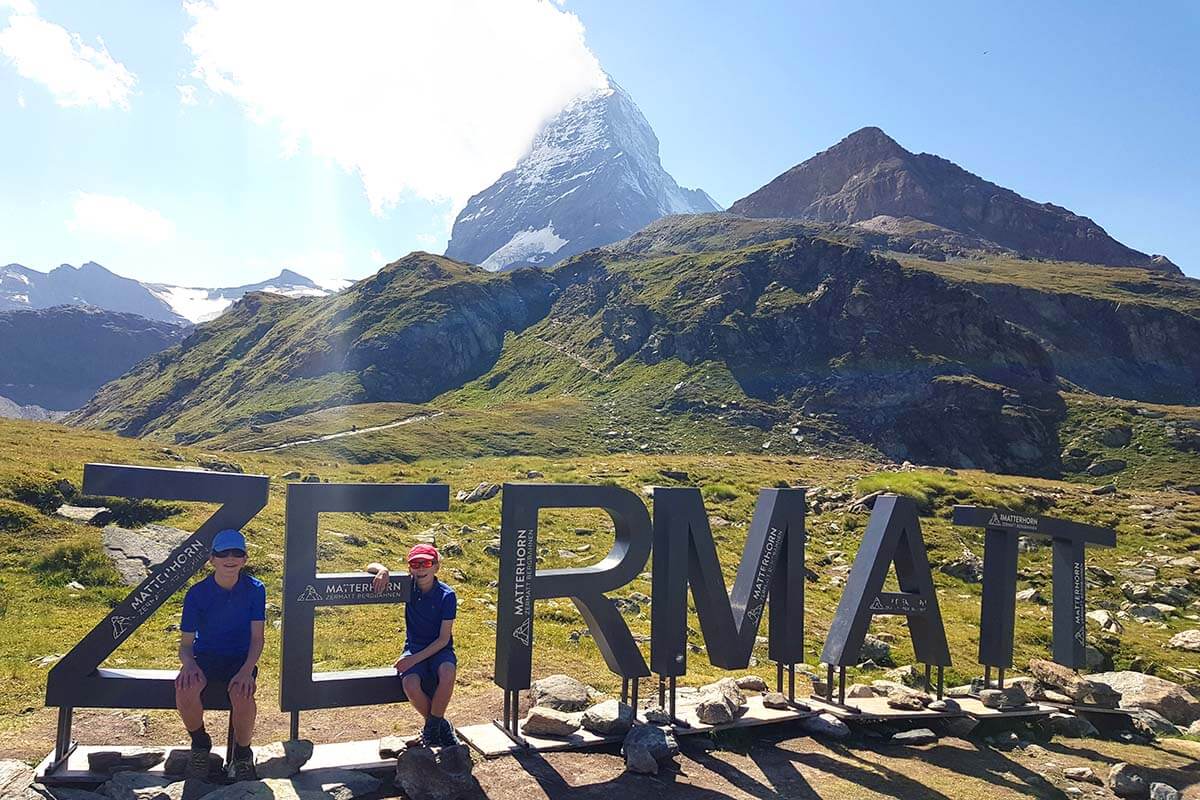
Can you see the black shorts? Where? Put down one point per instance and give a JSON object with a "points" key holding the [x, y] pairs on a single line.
{"points": [[220, 668]]}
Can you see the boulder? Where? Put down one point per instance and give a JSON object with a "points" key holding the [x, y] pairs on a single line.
{"points": [[423, 775], [177, 759], [1164, 791], [1186, 640], [1031, 596], [968, 567], [1125, 781], [129, 759], [1157, 694], [776, 700], [905, 700], [337, 784], [545, 721], [16, 780], [1072, 727], [656, 715], [751, 683], [1079, 689], [282, 759], [560, 692], [1084, 774], [1152, 723], [876, 649], [826, 725], [720, 702], [484, 491], [858, 691], [1011, 696], [143, 786], [1116, 436], [645, 746], [134, 552], [610, 718], [943, 705], [1105, 466], [914, 737], [908, 676]]}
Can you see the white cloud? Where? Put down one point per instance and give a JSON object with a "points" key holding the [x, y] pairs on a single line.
{"points": [[21, 99], [76, 74], [376, 256], [187, 95], [118, 218], [436, 97]]}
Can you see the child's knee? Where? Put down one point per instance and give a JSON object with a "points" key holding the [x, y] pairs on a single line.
{"points": [[411, 683], [446, 672]]}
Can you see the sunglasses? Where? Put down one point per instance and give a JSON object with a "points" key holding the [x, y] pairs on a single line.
{"points": [[422, 563], [229, 553]]}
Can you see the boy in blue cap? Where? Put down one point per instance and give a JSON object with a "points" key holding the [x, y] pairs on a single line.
{"points": [[428, 665], [221, 639]]}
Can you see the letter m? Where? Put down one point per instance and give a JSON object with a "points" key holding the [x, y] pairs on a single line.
{"points": [[772, 565]]}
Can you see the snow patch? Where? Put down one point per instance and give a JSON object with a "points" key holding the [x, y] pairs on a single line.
{"points": [[528, 245]]}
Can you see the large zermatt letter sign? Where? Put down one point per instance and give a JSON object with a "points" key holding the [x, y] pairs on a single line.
{"points": [[772, 565], [521, 583], [304, 589], [893, 536], [76, 680]]}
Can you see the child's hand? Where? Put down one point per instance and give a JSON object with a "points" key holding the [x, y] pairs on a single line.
{"points": [[190, 675], [404, 663], [242, 685], [379, 584]]}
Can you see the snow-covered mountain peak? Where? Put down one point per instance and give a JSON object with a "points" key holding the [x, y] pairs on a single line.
{"points": [[592, 176]]}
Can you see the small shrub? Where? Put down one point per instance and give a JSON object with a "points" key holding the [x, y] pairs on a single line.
{"points": [[16, 516], [44, 495], [80, 560], [720, 492], [131, 513]]}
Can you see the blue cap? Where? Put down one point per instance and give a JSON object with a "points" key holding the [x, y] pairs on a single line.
{"points": [[229, 540]]}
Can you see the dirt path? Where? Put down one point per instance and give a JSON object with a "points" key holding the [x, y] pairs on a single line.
{"points": [[343, 434]]}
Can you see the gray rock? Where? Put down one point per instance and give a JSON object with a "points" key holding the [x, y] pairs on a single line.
{"points": [[338, 784], [1108, 488], [423, 775], [1153, 723], [1125, 781], [1012, 696], [290, 475], [943, 705], [859, 690], [968, 567], [143, 786], [84, 514], [391, 746], [130, 759], [876, 649], [1031, 596], [656, 715], [1106, 620], [908, 676], [775, 700], [826, 725], [1194, 728], [134, 552], [1164, 791], [1106, 466], [645, 746], [905, 700], [177, 760], [914, 737], [484, 491], [1186, 640], [751, 683], [560, 692], [545, 721], [719, 702], [1116, 436], [1079, 689], [16, 778], [1072, 727], [1158, 694], [1084, 774], [282, 759]]}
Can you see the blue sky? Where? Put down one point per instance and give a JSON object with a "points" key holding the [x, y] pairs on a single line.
{"points": [[213, 143]]}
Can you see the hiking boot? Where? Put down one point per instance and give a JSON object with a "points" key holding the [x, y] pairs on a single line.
{"points": [[446, 736], [197, 763], [243, 769]]}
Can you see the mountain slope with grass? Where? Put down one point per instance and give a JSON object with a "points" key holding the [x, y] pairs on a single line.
{"points": [[785, 344]]}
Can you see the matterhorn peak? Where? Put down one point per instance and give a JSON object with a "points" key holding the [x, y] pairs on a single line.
{"points": [[592, 176]]}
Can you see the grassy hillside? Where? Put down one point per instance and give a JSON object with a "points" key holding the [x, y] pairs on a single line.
{"points": [[40, 554]]}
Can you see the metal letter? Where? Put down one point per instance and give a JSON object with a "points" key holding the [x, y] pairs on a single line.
{"points": [[772, 564], [303, 590], [521, 583], [893, 535]]}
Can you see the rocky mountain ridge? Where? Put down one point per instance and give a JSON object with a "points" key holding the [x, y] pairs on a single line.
{"points": [[56, 358], [869, 180], [592, 176]]}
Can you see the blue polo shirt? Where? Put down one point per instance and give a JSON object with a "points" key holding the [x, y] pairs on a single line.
{"points": [[423, 615], [221, 618]]}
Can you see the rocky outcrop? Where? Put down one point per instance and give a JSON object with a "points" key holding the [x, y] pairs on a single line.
{"points": [[869, 178], [1157, 694], [1088, 691], [560, 692], [134, 552]]}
